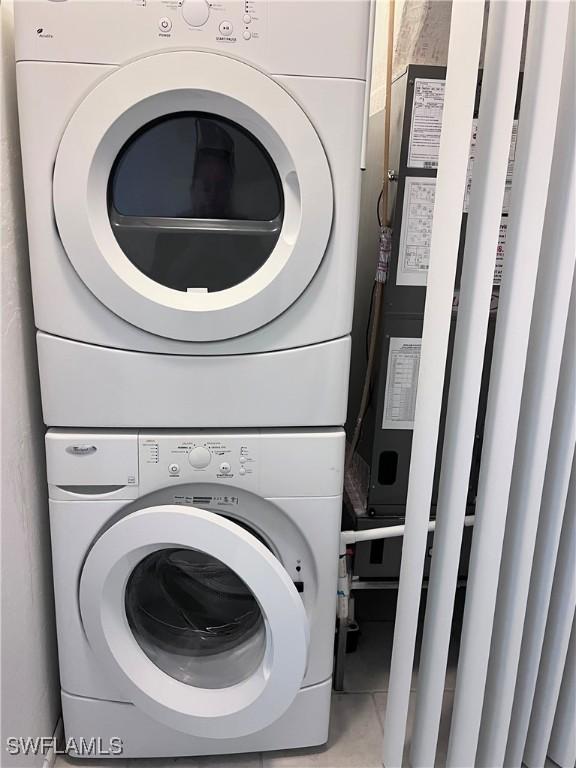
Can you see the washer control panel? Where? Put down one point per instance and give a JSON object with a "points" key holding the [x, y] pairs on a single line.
{"points": [[198, 458]]}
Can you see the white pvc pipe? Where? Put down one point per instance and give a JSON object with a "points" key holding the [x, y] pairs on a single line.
{"points": [[367, 87], [387, 532], [462, 72], [499, 87], [537, 127], [343, 593]]}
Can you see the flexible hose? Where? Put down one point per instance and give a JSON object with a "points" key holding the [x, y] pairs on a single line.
{"points": [[373, 338]]}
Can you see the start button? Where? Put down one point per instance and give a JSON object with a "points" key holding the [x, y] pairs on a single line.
{"points": [[226, 28]]}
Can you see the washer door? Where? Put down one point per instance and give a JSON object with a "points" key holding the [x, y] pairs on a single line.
{"points": [[193, 196], [196, 620]]}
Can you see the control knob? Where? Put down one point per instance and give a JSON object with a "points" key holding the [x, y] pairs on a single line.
{"points": [[195, 12], [199, 457]]}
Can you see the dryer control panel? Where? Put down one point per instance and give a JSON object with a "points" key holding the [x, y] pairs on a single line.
{"points": [[106, 29], [314, 38]]}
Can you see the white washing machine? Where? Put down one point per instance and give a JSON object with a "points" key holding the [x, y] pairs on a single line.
{"points": [[195, 580], [192, 179]]}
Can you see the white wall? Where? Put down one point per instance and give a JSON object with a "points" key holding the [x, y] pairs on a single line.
{"points": [[30, 694]]}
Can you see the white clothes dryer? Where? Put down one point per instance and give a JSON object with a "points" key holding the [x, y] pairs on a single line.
{"points": [[192, 179], [195, 578]]}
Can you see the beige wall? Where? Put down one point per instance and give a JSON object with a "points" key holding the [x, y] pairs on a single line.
{"points": [[30, 694]]}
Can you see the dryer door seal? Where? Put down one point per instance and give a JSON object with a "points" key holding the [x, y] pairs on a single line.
{"points": [[193, 196], [196, 620]]}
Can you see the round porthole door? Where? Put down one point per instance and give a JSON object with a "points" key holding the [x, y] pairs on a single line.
{"points": [[196, 620], [193, 196]]}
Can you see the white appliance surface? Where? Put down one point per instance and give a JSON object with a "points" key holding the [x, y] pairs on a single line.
{"points": [[195, 584], [192, 183], [84, 384]]}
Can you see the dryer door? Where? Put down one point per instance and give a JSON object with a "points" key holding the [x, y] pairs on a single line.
{"points": [[196, 620], [193, 196]]}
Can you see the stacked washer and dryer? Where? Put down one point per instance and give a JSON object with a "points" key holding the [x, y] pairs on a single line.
{"points": [[192, 179]]}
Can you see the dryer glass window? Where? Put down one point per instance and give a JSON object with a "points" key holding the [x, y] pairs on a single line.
{"points": [[195, 202], [195, 618]]}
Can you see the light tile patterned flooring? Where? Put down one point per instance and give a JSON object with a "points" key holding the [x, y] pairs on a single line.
{"points": [[356, 725]]}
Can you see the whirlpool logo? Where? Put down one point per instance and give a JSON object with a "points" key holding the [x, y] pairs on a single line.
{"points": [[81, 449]]}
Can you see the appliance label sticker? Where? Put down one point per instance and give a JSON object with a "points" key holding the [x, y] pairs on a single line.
{"points": [[401, 383], [417, 213], [509, 172], [416, 233], [426, 124], [500, 250], [425, 129]]}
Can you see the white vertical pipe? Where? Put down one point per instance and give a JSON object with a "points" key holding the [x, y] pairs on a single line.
{"points": [[562, 746], [463, 56], [499, 87], [555, 648], [560, 457], [551, 302], [537, 125], [368, 86]]}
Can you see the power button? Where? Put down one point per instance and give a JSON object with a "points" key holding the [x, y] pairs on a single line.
{"points": [[164, 24]]}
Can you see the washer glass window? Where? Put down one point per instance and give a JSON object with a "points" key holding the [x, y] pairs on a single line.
{"points": [[195, 202], [195, 618]]}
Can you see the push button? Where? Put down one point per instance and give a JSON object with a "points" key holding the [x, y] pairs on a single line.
{"points": [[246, 34], [173, 469], [226, 28], [164, 25], [225, 467]]}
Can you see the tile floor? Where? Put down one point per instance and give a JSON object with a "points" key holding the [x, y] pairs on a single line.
{"points": [[356, 725]]}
